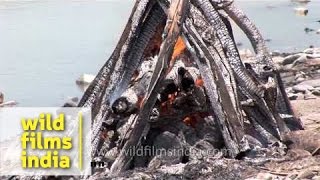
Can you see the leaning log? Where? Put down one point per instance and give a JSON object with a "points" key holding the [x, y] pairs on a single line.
{"points": [[176, 15]]}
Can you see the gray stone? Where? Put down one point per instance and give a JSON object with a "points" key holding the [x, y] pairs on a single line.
{"points": [[289, 90], [302, 88], [1, 97], [292, 96], [316, 92], [297, 96], [301, 11], [300, 79], [306, 174], [70, 104], [316, 178], [201, 150], [314, 83], [301, 60], [291, 58], [168, 148], [309, 95]]}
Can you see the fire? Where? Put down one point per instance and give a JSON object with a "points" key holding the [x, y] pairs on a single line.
{"points": [[199, 82], [167, 105], [190, 121], [193, 119], [179, 47]]}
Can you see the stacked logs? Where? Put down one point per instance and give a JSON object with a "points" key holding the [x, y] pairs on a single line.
{"points": [[194, 75]]}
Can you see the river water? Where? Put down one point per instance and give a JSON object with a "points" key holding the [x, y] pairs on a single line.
{"points": [[46, 45]]}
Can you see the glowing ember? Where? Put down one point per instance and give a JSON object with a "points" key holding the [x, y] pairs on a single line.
{"points": [[190, 121], [199, 82]]}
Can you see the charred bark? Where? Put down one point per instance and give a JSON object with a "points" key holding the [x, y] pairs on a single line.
{"points": [[237, 95]]}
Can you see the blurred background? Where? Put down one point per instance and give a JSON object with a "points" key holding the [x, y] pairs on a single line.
{"points": [[46, 45]]}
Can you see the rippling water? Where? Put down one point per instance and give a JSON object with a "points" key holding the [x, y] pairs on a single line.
{"points": [[46, 45]]}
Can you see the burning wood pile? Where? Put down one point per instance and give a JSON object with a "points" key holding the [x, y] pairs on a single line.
{"points": [[176, 81]]}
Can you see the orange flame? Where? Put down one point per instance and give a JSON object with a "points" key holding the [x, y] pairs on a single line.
{"points": [[179, 47]]}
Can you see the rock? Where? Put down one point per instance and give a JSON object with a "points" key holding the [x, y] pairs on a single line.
{"points": [[267, 40], [297, 96], [265, 176], [302, 88], [245, 53], [316, 92], [85, 79], [312, 51], [289, 90], [300, 79], [1, 97], [302, 139], [302, 59], [291, 176], [316, 178], [307, 30], [74, 99], [291, 58], [309, 95], [169, 149], [292, 96], [314, 83], [71, 102], [277, 59], [298, 154], [8, 104], [276, 53], [313, 56], [306, 174], [300, 75], [201, 149], [301, 11], [318, 31]]}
